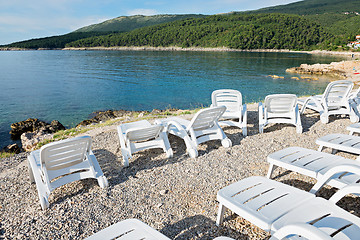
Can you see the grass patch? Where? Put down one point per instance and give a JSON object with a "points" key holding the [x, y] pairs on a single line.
{"points": [[6, 154]]}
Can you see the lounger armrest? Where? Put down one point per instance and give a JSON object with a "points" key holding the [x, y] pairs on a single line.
{"points": [[307, 100], [181, 132], [333, 171], [349, 189], [178, 126], [305, 230]]}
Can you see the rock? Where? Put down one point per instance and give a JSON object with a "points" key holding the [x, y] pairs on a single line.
{"points": [[29, 140], [34, 125], [55, 126], [338, 69], [86, 122], [104, 116], [155, 111], [29, 125], [12, 148]]}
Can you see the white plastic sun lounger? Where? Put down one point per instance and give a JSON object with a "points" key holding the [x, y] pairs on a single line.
{"points": [[342, 142], [62, 162], [141, 135], [335, 100], [272, 205], [353, 128], [235, 114], [129, 229], [132, 229], [279, 108], [354, 100], [314, 164], [203, 127]]}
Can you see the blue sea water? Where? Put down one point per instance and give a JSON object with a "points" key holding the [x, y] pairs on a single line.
{"points": [[70, 85]]}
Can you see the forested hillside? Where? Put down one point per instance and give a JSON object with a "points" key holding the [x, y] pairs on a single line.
{"points": [[52, 42], [315, 24], [340, 17], [311, 7], [238, 31]]}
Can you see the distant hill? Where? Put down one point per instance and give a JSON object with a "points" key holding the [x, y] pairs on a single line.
{"points": [[53, 42], [309, 7], [238, 31], [126, 24], [332, 22], [120, 24]]}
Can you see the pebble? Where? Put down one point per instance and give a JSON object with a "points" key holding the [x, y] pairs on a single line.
{"points": [[176, 196]]}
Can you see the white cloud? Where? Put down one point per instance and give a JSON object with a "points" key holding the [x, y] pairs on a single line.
{"points": [[141, 11]]}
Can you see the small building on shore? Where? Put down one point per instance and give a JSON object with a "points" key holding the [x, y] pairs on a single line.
{"points": [[355, 44]]}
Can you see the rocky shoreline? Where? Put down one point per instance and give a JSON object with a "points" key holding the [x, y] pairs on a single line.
{"points": [[343, 69], [176, 196], [33, 131]]}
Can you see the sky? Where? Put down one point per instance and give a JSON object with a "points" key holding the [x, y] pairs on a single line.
{"points": [[27, 19]]}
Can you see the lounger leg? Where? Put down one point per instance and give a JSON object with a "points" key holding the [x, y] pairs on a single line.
{"points": [[334, 151], [166, 145], [244, 131], [220, 216], [320, 148], [299, 129], [261, 128], [272, 167], [125, 157], [31, 174]]}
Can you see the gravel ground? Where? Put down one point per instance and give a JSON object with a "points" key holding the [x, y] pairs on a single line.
{"points": [[176, 196]]}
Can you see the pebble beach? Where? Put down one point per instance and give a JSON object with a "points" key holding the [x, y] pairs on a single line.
{"points": [[176, 196]]}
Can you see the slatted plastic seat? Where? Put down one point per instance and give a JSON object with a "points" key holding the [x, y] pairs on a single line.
{"points": [[272, 205], [141, 135], [132, 229], [259, 200], [324, 215], [335, 100], [279, 108], [62, 162], [301, 231], [203, 127], [342, 142], [314, 164], [236, 113]]}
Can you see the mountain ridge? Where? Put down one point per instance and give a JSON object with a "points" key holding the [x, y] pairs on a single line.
{"points": [[128, 23]]}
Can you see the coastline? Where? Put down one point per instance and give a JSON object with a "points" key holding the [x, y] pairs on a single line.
{"points": [[193, 49], [219, 49]]}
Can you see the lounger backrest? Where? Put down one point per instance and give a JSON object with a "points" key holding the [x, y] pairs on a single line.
{"points": [[280, 103], [143, 134], [231, 99], [206, 118], [64, 154], [337, 92]]}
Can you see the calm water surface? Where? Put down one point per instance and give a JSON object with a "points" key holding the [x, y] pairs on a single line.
{"points": [[69, 85]]}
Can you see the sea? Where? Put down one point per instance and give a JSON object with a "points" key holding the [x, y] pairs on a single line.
{"points": [[70, 85]]}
